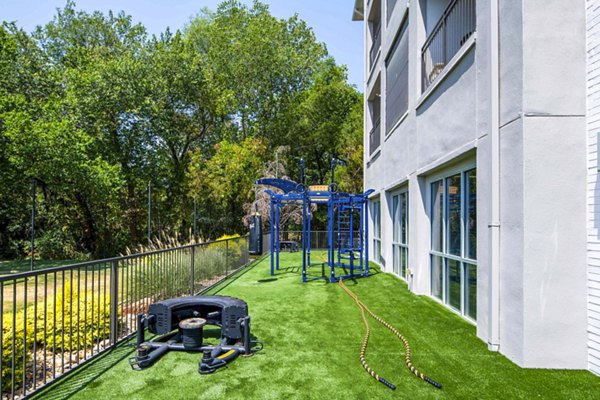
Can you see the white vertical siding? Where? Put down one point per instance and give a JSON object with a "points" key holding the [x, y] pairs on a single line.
{"points": [[593, 189]]}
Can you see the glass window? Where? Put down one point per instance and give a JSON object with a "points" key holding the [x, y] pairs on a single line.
{"points": [[436, 277], [395, 219], [471, 225], [454, 241], [395, 236], [400, 233], [453, 278], [396, 92], [404, 265], [396, 259], [404, 218], [437, 215], [471, 298], [376, 215], [454, 215]]}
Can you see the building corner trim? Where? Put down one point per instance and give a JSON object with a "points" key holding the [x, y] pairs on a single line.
{"points": [[494, 226]]}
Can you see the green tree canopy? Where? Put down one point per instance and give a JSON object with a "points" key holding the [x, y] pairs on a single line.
{"points": [[93, 109]]}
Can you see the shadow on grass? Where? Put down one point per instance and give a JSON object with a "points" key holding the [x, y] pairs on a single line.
{"points": [[65, 387], [294, 269]]}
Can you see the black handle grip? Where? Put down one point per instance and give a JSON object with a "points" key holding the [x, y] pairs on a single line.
{"points": [[432, 382], [386, 383]]}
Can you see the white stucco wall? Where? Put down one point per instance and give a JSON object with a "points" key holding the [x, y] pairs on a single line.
{"points": [[554, 182], [543, 295], [593, 182], [542, 108]]}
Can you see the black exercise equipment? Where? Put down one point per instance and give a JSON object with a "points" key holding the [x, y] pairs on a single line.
{"points": [[256, 237], [180, 323]]}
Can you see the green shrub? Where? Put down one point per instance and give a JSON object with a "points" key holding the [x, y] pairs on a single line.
{"points": [[160, 278], [234, 246], [49, 246], [77, 334]]}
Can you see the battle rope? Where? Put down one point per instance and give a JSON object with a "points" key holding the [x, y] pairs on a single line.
{"points": [[363, 350]]}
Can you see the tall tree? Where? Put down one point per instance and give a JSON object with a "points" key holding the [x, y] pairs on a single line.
{"points": [[226, 181], [100, 59], [315, 123], [184, 113], [350, 149], [93, 109], [25, 83], [259, 62]]}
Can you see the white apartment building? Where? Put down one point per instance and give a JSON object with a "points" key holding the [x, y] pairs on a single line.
{"points": [[485, 178]]}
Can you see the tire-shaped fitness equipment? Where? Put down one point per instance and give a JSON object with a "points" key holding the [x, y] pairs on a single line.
{"points": [[363, 350]]}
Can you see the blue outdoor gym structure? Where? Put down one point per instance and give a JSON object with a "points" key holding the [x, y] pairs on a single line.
{"points": [[344, 211]]}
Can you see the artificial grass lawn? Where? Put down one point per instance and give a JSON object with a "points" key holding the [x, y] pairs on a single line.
{"points": [[312, 334]]}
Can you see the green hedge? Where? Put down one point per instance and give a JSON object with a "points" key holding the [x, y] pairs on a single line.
{"points": [[77, 334]]}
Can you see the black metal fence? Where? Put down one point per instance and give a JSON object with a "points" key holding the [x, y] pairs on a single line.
{"points": [[455, 27], [54, 320], [266, 243], [375, 45]]}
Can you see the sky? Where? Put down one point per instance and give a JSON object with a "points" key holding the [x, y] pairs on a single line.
{"points": [[331, 20]]}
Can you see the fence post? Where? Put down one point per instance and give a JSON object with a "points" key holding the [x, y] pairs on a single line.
{"points": [[193, 272], [247, 251], [114, 301], [226, 257]]}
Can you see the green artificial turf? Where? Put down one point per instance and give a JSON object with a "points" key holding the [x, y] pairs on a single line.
{"points": [[312, 334]]}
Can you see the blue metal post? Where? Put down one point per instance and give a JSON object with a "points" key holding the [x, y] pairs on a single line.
{"points": [[366, 212], [304, 235], [339, 230], [277, 227], [272, 238], [308, 228], [330, 225], [351, 238], [361, 241]]}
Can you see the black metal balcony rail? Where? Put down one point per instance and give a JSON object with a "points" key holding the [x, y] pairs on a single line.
{"points": [[454, 28], [55, 320], [375, 46], [375, 136], [390, 4]]}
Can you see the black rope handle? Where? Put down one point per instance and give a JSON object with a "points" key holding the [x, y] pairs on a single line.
{"points": [[409, 364]]}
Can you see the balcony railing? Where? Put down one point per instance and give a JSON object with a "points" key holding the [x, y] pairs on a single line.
{"points": [[54, 320], [375, 136], [454, 28], [375, 46], [389, 8]]}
